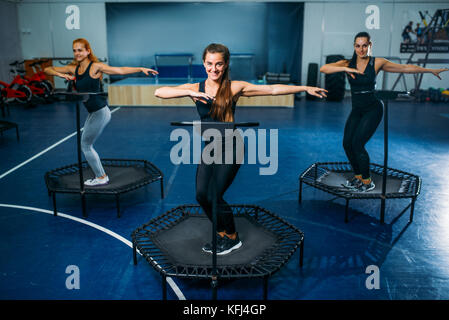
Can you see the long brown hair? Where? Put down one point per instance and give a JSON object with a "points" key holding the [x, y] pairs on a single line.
{"points": [[87, 46], [222, 105], [362, 34]]}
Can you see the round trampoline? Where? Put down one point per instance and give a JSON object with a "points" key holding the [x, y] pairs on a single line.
{"points": [[125, 175], [390, 183], [172, 243]]}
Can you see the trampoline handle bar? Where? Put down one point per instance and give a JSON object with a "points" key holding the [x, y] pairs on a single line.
{"points": [[390, 95]]}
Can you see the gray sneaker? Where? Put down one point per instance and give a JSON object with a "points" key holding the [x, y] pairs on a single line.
{"points": [[365, 187], [352, 184]]}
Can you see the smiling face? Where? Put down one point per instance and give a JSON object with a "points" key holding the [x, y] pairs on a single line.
{"points": [[80, 52], [362, 47], [215, 65]]}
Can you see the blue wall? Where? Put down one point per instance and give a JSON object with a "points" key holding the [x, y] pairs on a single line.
{"points": [[271, 31]]}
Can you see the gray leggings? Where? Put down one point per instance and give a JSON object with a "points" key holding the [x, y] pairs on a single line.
{"points": [[93, 127]]}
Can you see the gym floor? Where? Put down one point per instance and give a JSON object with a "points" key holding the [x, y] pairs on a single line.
{"points": [[37, 247]]}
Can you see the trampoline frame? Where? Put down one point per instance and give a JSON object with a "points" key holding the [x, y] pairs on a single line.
{"points": [[155, 175], [289, 238]]}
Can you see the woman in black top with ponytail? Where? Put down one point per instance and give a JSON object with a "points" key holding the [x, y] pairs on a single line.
{"points": [[215, 99], [87, 72], [367, 110]]}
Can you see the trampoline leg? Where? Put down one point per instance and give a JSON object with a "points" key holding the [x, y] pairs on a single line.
{"points": [[301, 253], [412, 209], [134, 254], [214, 285], [265, 287], [162, 188], [117, 201], [300, 191], [55, 212], [164, 287], [83, 205], [382, 210], [346, 211]]}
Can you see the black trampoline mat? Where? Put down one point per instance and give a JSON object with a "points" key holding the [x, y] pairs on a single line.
{"points": [[183, 243], [336, 179], [119, 177]]}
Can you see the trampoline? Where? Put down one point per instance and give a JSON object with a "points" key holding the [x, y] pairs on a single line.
{"points": [[172, 242], [6, 125], [125, 174], [390, 183]]}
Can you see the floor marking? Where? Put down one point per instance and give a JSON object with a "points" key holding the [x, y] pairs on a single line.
{"points": [[44, 151], [170, 281]]}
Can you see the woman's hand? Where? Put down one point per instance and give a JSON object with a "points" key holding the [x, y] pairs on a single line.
{"points": [[203, 97], [67, 76], [317, 92], [436, 72], [351, 71], [147, 71]]}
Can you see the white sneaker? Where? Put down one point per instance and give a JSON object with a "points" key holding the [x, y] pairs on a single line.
{"points": [[97, 182]]}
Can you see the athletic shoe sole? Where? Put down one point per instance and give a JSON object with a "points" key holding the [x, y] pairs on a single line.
{"points": [[96, 185], [235, 247]]}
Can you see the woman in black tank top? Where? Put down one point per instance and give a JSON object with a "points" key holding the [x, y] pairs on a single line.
{"points": [[367, 110], [87, 72], [215, 99]]}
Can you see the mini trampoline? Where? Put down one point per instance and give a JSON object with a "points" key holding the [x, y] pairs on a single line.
{"points": [[390, 183], [329, 177], [125, 175], [6, 125], [172, 243]]}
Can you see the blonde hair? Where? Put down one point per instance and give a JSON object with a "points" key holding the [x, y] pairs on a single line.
{"points": [[87, 46]]}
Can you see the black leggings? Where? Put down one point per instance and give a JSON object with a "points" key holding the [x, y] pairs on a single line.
{"points": [[223, 174], [359, 128]]}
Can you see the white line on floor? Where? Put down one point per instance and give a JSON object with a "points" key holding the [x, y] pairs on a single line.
{"points": [[170, 281], [44, 151]]}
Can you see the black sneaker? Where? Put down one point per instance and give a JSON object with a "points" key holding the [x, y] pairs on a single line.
{"points": [[225, 245], [208, 246], [365, 187], [354, 183]]}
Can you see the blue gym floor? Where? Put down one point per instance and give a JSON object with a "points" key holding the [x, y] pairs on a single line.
{"points": [[36, 247]]}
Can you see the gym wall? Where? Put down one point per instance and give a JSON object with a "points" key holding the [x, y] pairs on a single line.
{"points": [[329, 29], [9, 39], [332, 25], [270, 31]]}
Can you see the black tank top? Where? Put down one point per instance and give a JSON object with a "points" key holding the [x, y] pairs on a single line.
{"points": [[85, 83], [363, 82], [204, 109]]}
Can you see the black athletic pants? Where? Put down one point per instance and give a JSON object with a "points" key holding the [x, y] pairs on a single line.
{"points": [[223, 175], [362, 122]]}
